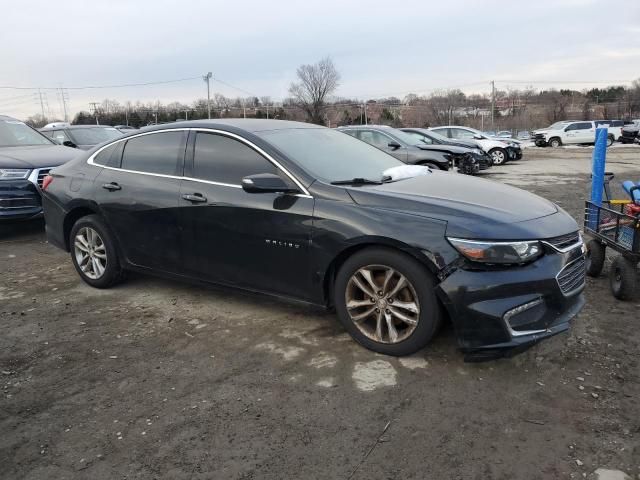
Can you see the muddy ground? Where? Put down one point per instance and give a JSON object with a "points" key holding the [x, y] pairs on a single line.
{"points": [[157, 379]]}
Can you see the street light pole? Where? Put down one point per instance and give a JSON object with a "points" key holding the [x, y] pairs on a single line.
{"points": [[207, 78]]}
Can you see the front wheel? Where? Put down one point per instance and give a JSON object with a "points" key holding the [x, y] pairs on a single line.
{"points": [[499, 156], [622, 278], [386, 301], [555, 142], [93, 252], [610, 140]]}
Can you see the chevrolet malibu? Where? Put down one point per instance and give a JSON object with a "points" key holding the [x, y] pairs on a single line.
{"points": [[306, 212]]}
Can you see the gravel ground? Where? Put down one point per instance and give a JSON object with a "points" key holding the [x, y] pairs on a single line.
{"points": [[157, 379]]}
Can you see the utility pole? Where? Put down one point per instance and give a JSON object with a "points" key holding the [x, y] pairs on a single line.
{"points": [[207, 79], [64, 96], [94, 105], [364, 106], [493, 104], [267, 105], [41, 104], [186, 114], [244, 109]]}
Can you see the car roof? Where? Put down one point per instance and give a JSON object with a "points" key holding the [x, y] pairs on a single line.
{"points": [[347, 127], [73, 127], [7, 117], [247, 124]]}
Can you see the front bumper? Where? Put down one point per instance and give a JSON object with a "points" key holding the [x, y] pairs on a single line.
{"points": [[500, 312], [515, 153], [19, 200]]}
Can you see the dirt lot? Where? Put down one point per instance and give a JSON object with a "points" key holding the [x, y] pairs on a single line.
{"points": [[155, 379]]}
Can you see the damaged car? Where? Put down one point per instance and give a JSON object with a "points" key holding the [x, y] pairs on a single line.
{"points": [[306, 212]]}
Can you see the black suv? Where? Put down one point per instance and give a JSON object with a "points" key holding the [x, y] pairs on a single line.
{"points": [[404, 147], [83, 137], [26, 157]]}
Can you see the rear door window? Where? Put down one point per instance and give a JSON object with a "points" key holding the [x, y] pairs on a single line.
{"points": [[160, 153], [222, 159], [584, 125]]}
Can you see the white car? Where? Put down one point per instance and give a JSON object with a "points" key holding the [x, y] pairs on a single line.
{"points": [[572, 133], [500, 150]]}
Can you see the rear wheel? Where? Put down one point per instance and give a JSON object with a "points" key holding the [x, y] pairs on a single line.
{"points": [[386, 301], [555, 142], [610, 140], [595, 257], [622, 278], [93, 252], [499, 156]]}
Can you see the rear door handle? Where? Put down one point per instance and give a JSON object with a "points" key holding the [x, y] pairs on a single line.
{"points": [[111, 186], [195, 197]]}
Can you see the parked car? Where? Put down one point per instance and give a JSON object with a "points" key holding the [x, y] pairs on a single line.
{"points": [[26, 156], [631, 132], [523, 135], [490, 133], [83, 137], [438, 142], [504, 134], [402, 146], [125, 128], [570, 133], [539, 137], [501, 151], [302, 211]]}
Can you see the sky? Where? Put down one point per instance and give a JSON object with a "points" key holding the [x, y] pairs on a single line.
{"points": [[380, 48]]}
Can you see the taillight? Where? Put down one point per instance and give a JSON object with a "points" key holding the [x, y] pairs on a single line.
{"points": [[46, 181]]}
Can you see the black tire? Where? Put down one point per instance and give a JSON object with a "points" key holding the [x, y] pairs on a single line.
{"points": [[113, 272], [499, 156], [595, 257], [610, 140], [622, 278], [555, 142], [430, 313]]}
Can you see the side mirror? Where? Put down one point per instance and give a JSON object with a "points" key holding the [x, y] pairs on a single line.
{"points": [[69, 143], [477, 137], [394, 145], [266, 183]]}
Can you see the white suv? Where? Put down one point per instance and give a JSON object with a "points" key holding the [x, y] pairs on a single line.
{"points": [[573, 133]]}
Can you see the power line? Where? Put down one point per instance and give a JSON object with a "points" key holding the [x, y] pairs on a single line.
{"points": [[89, 87]]}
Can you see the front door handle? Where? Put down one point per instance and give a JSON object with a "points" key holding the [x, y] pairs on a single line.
{"points": [[195, 197], [111, 186]]}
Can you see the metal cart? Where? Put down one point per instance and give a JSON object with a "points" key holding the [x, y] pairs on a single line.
{"points": [[610, 225]]}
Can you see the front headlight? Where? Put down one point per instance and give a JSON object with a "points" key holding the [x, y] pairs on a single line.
{"points": [[497, 252], [13, 173]]}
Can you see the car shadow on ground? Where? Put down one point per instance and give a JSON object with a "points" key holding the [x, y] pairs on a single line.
{"points": [[19, 231]]}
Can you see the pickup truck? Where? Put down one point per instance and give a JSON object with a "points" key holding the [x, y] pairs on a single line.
{"points": [[574, 133]]}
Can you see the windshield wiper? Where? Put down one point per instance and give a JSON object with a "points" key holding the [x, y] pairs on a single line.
{"points": [[357, 181]]}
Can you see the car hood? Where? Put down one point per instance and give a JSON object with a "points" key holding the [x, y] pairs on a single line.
{"points": [[445, 148], [36, 156], [472, 207]]}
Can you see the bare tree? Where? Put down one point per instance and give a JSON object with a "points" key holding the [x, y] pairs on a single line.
{"points": [[315, 83]]}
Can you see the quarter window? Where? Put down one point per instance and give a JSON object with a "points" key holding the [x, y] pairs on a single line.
{"points": [[222, 159], [155, 153], [110, 156]]}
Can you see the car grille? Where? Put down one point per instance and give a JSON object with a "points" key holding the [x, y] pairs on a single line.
{"points": [[572, 277], [43, 172], [539, 136], [564, 241]]}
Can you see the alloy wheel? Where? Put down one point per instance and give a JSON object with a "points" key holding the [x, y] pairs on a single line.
{"points": [[382, 303], [498, 157], [90, 253]]}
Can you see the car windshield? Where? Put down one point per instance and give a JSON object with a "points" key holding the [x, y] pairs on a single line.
{"points": [[330, 155], [14, 134], [94, 135], [558, 125], [404, 137]]}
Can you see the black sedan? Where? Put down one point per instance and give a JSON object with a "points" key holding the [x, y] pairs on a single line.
{"points": [[436, 141], [26, 157], [396, 143], [306, 212], [83, 137]]}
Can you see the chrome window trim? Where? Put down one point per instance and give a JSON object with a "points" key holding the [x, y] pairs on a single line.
{"points": [[181, 177], [579, 243]]}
